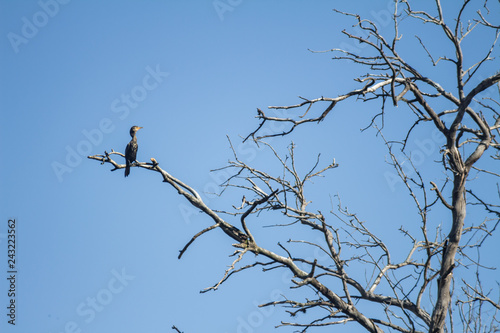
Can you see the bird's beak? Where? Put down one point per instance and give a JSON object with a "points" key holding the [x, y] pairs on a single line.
{"points": [[139, 128]]}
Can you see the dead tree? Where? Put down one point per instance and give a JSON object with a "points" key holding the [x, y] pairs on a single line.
{"points": [[360, 269], [468, 131]]}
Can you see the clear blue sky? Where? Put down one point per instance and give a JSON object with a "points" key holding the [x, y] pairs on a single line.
{"points": [[75, 76]]}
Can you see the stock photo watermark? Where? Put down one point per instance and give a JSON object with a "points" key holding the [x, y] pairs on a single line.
{"points": [[224, 6], [246, 151], [428, 146], [89, 309], [250, 322], [121, 106], [11, 271], [254, 319], [31, 25]]}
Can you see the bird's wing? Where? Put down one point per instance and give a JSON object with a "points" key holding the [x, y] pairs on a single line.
{"points": [[131, 151], [127, 149]]}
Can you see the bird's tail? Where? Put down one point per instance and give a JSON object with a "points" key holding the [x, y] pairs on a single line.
{"points": [[127, 168]]}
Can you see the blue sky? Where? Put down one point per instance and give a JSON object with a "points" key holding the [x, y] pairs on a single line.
{"points": [[190, 73]]}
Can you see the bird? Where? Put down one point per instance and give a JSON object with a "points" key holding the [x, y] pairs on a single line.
{"points": [[131, 149]]}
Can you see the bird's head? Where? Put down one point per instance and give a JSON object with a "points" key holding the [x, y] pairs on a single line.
{"points": [[134, 129]]}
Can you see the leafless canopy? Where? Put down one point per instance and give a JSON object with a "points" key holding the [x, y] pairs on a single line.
{"points": [[420, 292]]}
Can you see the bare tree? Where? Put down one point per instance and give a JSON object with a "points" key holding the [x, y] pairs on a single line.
{"points": [[420, 292]]}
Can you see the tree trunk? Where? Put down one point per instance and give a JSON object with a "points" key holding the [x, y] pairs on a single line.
{"points": [[446, 274]]}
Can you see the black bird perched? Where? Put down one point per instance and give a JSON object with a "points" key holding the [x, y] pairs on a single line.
{"points": [[131, 150]]}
